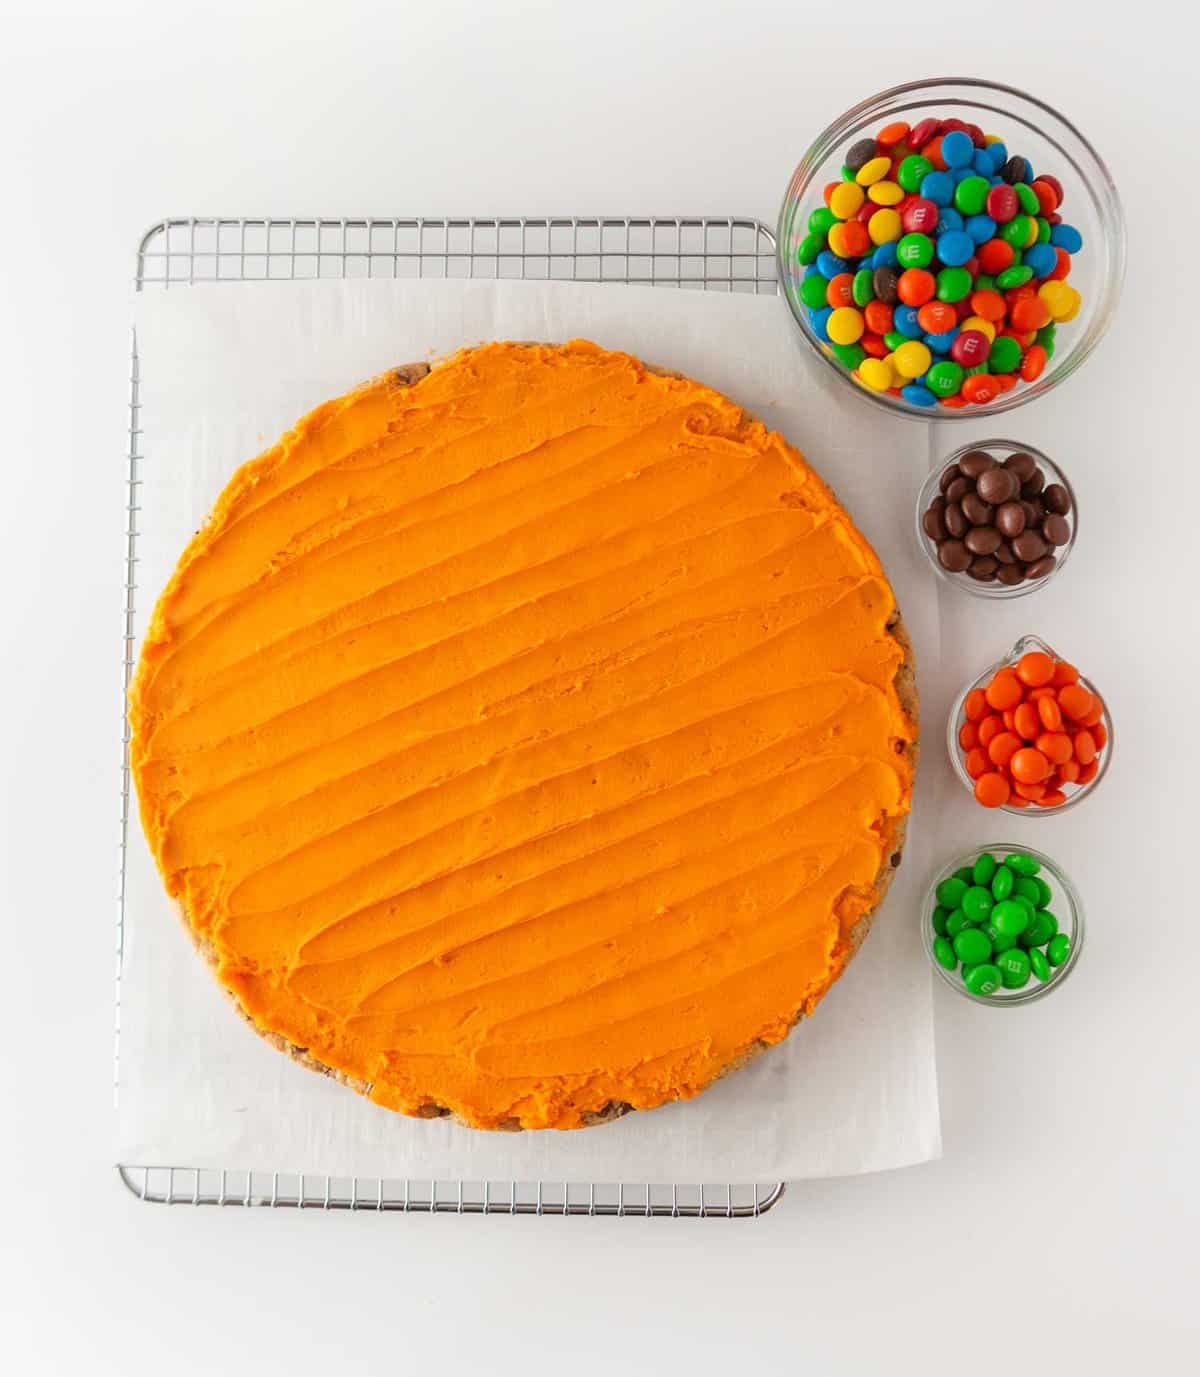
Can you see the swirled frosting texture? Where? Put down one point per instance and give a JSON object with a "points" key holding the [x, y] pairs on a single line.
{"points": [[524, 741]]}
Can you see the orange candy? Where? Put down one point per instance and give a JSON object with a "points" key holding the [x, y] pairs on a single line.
{"points": [[1064, 673], [894, 133], [1068, 771], [849, 239], [1055, 798], [1085, 747], [988, 305], [1029, 765], [840, 291], [1026, 721], [936, 317], [1031, 313], [1075, 701], [878, 315], [1005, 689], [1033, 792], [1010, 719], [914, 288], [1003, 747], [992, 790], [1035, 668], [977, 763], [1055, 746], [991, 726], [1049, 713], [979, 387], [1033, 365], [968, 735], [1089, 772], [976, 705], [1099, 734], [1092, 719]]}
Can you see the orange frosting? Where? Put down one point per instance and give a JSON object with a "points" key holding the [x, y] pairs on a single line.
{"points": [[524, 740]]}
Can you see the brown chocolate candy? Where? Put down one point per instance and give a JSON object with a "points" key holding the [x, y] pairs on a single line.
{"points": [[1057, 499], [983, 568], [956, 522], [933, 522], [884, 280], [1031, 486], [975, 509], [1023, 465], [949, 474], [1040, 567], [953, 555], [982, 540], [1056, 529], [1004, 553], [976, 462], [1011, 519], [997, 485], [1011, 574], [1029, 546], [959, 489]]}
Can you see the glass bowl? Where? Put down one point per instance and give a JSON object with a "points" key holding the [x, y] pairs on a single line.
{"points": [[958, 717], [1028, 127], [929, 491], [1065, 904]]}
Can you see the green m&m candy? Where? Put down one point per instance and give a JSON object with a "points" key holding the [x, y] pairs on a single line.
{"points": [[822, 220], [1001, 941], [972, 946], [945, 378], [953, 284], [912, 172], [1016, 276], [862, 289], [950, 892], [813, 291], [977, 903], [1015, 232], [1014, 968], [984, 868], [1010, 917], [970, 195], [1058, 949], [1045, 893], [1039, 965], [955, 923], [1028, 198], [810, 246], [1043, 230], [965, 874], [983, 979], [894, 339], [944, 953], [940, 915], [848, 355], [1021, 863], [1026, 888], [914, 251], [1040, 930], [1002, 883], [1005, 356]]}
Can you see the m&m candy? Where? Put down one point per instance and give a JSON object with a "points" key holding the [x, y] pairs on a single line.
{"points": [[938, 213]]}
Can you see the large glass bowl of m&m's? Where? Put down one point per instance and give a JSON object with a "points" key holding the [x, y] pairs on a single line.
{"points": [[951, 246], [1030, 735], [1002, 924]]}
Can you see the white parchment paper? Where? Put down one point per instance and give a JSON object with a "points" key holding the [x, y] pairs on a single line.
{"points": [[224, 371]]}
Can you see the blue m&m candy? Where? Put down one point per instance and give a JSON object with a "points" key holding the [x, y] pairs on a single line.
{"points": [[1066, 237]]}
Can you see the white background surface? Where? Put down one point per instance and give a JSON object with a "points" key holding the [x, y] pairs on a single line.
{"points": [[1056, 1233]]}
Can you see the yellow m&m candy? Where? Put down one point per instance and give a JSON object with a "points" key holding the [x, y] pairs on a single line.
{"points": [[872, 171], [875, 374], [912, 358], [846, 199], [845, 326], [884, 226], [886, 193]]}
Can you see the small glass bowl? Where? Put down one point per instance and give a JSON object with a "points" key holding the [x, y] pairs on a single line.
{"points": [[958, 716], [1029, 127], [969, 585], [1065, 904]]}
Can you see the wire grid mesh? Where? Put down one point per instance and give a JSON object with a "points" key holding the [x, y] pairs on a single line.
{"points": [[712, 254]]}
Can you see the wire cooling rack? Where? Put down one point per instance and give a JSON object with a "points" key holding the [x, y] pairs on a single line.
{"points": [[709, 254]]}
